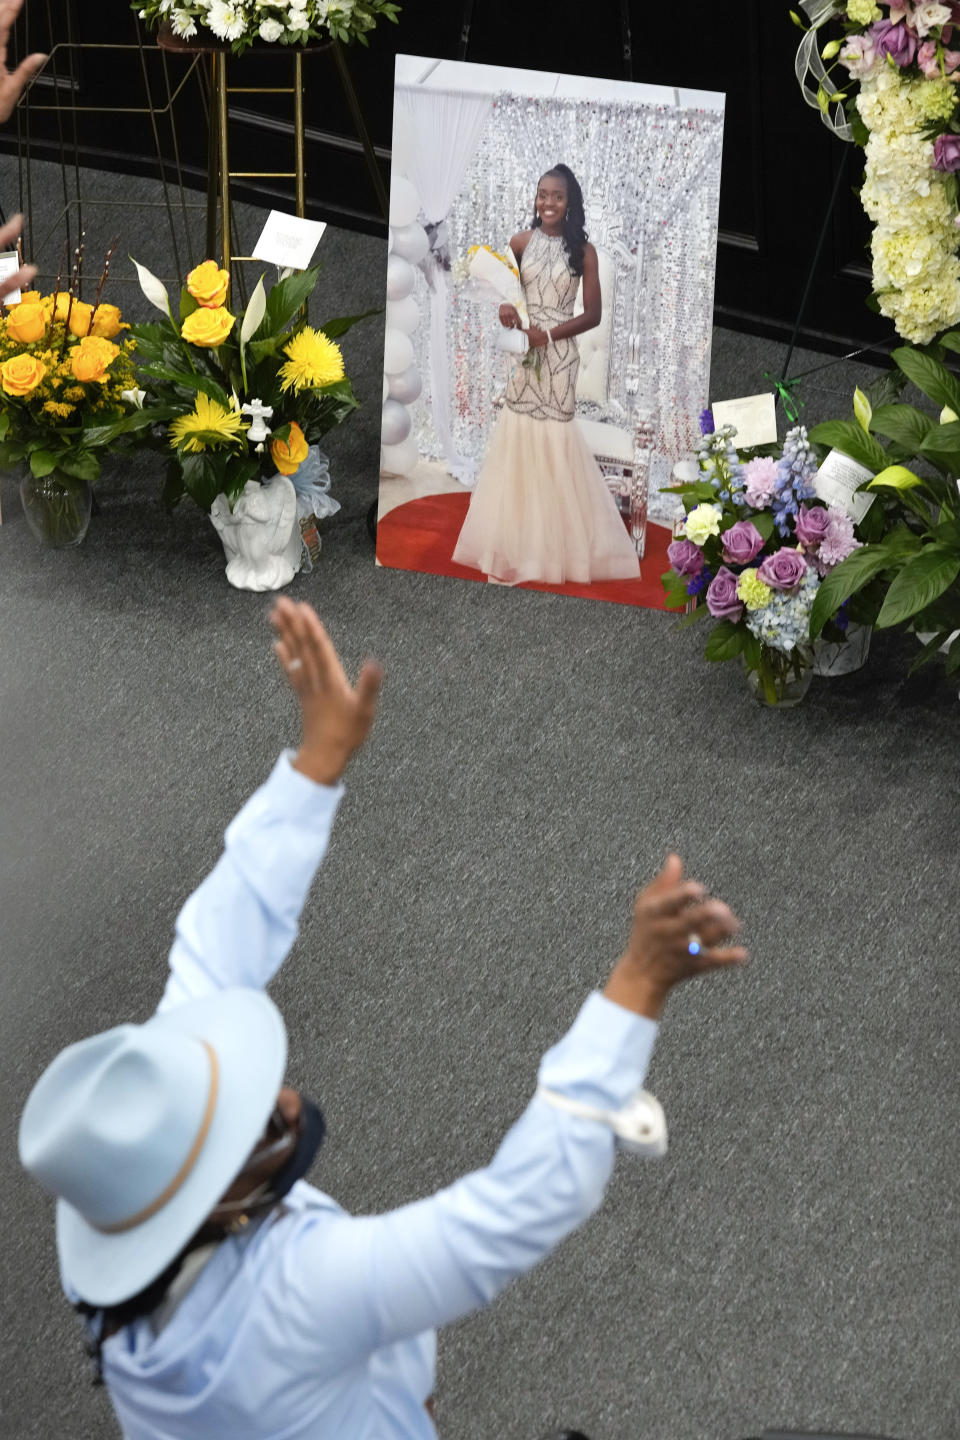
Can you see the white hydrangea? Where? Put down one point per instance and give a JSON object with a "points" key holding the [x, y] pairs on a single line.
{"points": [[916, 272]]}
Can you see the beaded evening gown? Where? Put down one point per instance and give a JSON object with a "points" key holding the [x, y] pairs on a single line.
{"points": [[541, 509]]}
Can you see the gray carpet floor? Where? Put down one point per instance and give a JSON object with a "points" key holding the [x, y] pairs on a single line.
{"points": [[794, 1261]]}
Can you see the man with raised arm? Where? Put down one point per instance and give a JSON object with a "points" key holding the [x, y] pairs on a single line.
{"points": [[224, 1296]]}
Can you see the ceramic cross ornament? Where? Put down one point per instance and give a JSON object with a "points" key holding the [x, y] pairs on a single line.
{"points": [[259, 414]]}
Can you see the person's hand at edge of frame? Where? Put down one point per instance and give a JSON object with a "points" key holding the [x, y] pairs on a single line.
{"points": [[9, 235], [336, 715], [667, 915], [13, 83]]}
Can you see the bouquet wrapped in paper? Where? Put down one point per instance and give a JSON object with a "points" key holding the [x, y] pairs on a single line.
{"points": [[493, 275]]}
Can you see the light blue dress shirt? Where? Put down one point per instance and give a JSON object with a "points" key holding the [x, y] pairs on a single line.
{"points": [[319, 1325]]}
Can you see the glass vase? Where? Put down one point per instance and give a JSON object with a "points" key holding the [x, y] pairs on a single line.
{"points": [[844, 657], [57, 507], [782, 680]]}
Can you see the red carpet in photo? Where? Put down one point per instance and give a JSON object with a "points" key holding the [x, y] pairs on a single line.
{"points": [[421, 535]]}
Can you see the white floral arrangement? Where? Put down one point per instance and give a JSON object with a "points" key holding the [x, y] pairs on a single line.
{"points": [[898, 82], [242, 23]]}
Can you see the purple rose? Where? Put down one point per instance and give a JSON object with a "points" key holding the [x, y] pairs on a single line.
{"points": [[722, 599], [783, 570], [685, 557], [946, 152], [895, 41], [811, 525], [741, 543]]}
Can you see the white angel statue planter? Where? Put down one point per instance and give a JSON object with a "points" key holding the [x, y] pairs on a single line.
{"points": [[261, 538]]}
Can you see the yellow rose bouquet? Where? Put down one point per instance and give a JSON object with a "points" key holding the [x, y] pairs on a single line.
{"points": [[67, 394], [242, 396]]}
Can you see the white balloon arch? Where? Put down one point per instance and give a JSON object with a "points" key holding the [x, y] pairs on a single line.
{"points": [[401, 378]]}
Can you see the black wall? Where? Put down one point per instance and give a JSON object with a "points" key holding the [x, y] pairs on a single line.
{"points": [[780, 164]]}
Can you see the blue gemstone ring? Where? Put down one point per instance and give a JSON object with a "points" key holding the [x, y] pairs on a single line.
{"points": [[693, 945]]}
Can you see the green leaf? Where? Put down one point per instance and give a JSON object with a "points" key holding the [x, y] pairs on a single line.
{"points": [[922, 579], [98, 436], [953, 659], [942, 440], [42, 462], [862, 410], [333, 329], [853, 573], [262, 349], [11, 453], [694, 490], [239, 471], [4, 424], [895, 477], [905, 424], [726, 641], [285, 299], [81, 463], [763, 522], [189, 381], [203, 476], [929, 375], [187, 304], [929, 650], [886, 390], [752, 650], [173, 489], [950, 341], [675, 590], [847, 437], [700, 612]]}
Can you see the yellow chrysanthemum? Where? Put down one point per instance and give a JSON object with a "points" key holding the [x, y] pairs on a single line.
{"points": [[313, 361], [60, 411], [208, 424]]}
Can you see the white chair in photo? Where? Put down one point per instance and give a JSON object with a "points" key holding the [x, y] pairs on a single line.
{"points": [[614, 416]]}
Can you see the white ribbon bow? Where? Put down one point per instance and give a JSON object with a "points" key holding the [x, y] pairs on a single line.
{"points": [[809, 66]]}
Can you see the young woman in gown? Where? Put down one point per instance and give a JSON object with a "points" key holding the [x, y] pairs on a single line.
{"points": [[541, 509]]}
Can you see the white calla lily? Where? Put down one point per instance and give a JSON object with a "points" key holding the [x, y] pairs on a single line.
{"points": [[255, 312], [154, 289]]}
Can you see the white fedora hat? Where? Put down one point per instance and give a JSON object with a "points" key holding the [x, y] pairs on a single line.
{"points": [[139, 1131]]}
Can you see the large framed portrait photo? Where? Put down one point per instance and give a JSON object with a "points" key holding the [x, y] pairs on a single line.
{"points": [[549, 318]]}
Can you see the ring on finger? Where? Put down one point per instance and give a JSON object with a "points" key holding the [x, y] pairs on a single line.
{"points": [[294, 665], [694, 943]]}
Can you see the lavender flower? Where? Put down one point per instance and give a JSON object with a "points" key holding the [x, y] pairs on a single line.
{"points": [[706, 422], [795, 476]]}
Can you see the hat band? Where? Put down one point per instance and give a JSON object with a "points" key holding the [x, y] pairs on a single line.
{"points": [[132, 1221]]}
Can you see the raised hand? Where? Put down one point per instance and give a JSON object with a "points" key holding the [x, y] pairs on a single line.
{"points": [[337, 716], [9, 235], [12, 85], [677, 933]]}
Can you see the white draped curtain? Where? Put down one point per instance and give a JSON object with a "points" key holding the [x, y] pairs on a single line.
{"points": [[436, 135]]}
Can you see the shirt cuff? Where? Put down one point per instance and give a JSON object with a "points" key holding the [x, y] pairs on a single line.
{"points": [[603, 1058], [292, 795]]}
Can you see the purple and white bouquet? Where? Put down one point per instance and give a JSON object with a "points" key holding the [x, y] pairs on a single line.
{"points": [[753, 548]]}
